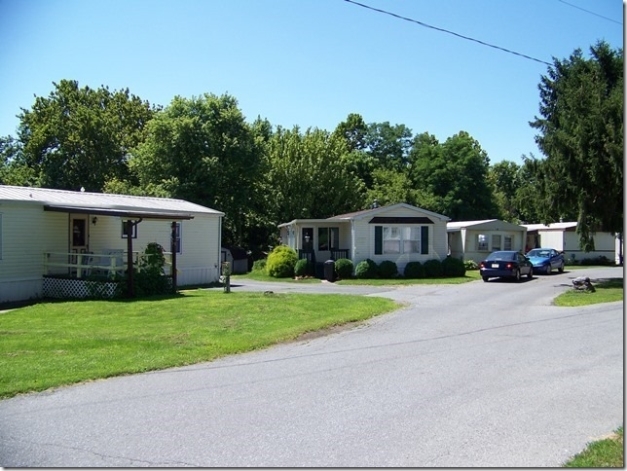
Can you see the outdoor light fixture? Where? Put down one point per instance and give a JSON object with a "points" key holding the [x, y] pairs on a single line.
{"points": [[94, 220]]}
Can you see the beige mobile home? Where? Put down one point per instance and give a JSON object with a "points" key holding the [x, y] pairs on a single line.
{"points": [[474, 240], [50, 235]]}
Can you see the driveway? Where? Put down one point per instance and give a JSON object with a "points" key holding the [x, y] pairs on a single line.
{"points": [[473, 375]]}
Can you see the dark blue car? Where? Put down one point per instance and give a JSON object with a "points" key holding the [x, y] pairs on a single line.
{"points": [[506, 264], [546, 260]]}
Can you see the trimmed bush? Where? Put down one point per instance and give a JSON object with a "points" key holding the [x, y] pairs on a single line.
{"points": [[281, 262], [302, 267], [414, 270], [387, 269], [366, 269], [433, 268], [344, 268], [471, 265], [453, 267]]}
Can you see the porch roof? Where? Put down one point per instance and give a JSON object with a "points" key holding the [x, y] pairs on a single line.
{"points": [[127, 213], [306, 221]]}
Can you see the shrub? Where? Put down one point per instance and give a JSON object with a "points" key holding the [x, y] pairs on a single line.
{"points": [[414, 270], [600, 260], [471, 265], [433, 268], [344, 268], [150, 278], [453, 267], [281, 262], [260, 265], [387, 269], [366, 269], [302, 267]]}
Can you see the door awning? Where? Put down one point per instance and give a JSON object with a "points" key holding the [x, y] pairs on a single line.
{"points": [[124, 213]]}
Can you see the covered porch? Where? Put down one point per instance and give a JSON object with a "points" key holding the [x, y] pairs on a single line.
{"points": [[97, 259], [317, 240]]}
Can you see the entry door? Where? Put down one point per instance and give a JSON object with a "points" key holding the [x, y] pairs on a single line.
{"points": [[308, 239], [79, 240]]}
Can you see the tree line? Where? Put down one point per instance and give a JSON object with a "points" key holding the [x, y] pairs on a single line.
{"points": [[202, 149]]}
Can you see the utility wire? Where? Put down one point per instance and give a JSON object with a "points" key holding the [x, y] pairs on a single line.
{"points": [[591, 12], [449, 32]]}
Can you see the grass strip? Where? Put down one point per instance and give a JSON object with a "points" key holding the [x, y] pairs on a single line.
{"points": [[607, 291], [606, 453]]}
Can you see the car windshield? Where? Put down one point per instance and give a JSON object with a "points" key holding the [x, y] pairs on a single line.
{"points": [[502, 256], [538, 253]]}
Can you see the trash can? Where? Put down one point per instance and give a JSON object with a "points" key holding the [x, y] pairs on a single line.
{"points": [[329, 270]]}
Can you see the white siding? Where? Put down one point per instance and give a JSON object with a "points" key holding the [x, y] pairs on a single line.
{"points": [[199, 259], [27, 232], [365, 238]]}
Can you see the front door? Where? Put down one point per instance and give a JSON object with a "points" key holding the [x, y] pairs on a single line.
{"points": [[308, 239], [79, 241]]}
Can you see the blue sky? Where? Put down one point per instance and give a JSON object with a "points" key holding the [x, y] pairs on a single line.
{"points": [[310, 62]]}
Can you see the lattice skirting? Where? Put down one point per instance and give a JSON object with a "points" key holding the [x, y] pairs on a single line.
{"points": [[72, 288]]}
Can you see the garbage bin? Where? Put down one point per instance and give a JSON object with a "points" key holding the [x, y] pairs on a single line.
{"points": [[329, 270]]}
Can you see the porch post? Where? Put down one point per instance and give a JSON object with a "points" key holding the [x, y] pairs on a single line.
{"points": [[129, 259], [173, 251]]}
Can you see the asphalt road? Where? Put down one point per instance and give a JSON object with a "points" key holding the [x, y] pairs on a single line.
{"points": [[473, 375]]}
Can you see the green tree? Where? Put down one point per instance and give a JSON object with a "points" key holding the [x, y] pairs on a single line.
{"points": [[503, 178], [390, 187], [389, 145], [202, 150], [309, 176], [451, 178], [13, 168], [81, 137], [581, 134]]}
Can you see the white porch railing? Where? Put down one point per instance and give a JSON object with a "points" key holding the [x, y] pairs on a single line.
{"points": [[81, 265]]}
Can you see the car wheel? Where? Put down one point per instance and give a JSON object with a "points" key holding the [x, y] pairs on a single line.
{"points": [[517, 275], [485, 278], [530, 274], [548, 269], [561, 268]]}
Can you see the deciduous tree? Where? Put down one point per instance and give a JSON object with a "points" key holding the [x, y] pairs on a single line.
{"points": [[80, 137]]}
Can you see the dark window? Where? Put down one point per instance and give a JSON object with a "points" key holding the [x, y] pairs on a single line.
{"points": [[125, 230]]}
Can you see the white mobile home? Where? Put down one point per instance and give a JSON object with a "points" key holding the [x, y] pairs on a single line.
{"points": [[400, 233], [47, 235], [562, 236]]}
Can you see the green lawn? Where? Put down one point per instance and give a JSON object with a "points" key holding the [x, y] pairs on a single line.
{"points": [[57, 343]]}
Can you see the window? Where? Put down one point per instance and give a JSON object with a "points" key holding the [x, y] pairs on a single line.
{"points": [[482, 242], [124, 230], [507, 243], [411, 240], [328, 238], [496, 242], [401, 239]]}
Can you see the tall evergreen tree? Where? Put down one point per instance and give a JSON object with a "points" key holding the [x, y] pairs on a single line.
{"points": [[581, 134]]}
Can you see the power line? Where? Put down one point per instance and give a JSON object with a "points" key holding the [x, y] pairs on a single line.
{"points": [[449, 32], [591, 12]]}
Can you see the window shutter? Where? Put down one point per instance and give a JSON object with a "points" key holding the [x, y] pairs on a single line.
{"points": [[378, 240], [424, 240]]}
